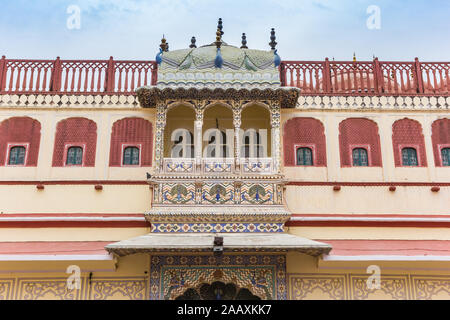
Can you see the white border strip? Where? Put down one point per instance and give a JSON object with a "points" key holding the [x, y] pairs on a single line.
{"points": [[364, 219], [35, 257], [386, 258], [103, 219]]}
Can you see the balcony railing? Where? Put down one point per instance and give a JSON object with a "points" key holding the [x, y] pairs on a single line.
{"points": [[218, 166], [93, 77]]}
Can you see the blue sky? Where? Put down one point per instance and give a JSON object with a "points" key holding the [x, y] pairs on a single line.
{"points": [[306, 29]]}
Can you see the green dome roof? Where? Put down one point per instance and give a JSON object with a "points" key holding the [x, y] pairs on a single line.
{"points": [[196, 66]]}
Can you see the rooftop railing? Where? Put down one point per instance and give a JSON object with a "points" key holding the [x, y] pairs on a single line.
{"points": [[75, 76], [88, 77], [367, 77]]}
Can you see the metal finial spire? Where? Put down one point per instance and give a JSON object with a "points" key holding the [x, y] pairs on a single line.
{"points": [[354, 57], [164, 45], [244, 41], [220, 26], [218, 39], [193, 41], [272, 42], [218, 62]]}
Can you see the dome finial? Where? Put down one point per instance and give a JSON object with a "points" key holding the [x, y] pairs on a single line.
{"points": [[272, 42], [220, 26], [193, 41], [218, 39], [354, 57], [218, 62], [164, 44], [244, 41]]}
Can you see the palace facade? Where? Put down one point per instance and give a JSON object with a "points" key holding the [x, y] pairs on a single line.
{"points": [[223, 172]]}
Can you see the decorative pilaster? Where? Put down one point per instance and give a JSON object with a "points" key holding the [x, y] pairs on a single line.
{"points": [[159, 144], [275, 116], [237, 121], [198, 143], [198, 134]]}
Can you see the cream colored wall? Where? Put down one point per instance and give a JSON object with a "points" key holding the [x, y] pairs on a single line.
{"points": [[367, 200], [75, 199], [49, 118], [388, 172], [314, 279], [330, 118], [370, 233]]}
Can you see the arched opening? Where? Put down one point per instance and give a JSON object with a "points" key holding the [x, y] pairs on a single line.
{"points": [[256, 140], [218, 291], [218, 132], [179, 132]]}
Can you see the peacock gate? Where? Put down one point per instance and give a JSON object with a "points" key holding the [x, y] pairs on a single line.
{"points": [[220, 172]]}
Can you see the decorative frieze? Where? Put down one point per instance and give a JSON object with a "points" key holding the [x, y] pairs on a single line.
{"points": [[217, 193], [69, 101], [216, 227], [389, 103]]}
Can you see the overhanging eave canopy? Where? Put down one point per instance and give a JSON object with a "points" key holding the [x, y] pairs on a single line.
{"points": [[232, 242]]}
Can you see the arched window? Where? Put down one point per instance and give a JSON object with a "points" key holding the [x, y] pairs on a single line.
{"points": [[409, 157], [360, 158], [304, 157], [74, 156], [359, 143], [131, 156], [445, 153], [17, 156], [20, 132]]}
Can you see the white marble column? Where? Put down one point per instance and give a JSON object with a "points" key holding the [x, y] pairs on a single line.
{"points": [[276, 138], [198, 142], [160, 127], [237, 121]]}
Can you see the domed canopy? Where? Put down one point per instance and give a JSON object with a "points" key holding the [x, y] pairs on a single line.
{"points": [[220, 72], [241, 67]]}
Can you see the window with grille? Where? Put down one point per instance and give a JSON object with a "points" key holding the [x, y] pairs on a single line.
{"points": [[17, 156], [74, 156], [131, 156], [445, 153], [360, 157], [304, 157], [409, 157]]}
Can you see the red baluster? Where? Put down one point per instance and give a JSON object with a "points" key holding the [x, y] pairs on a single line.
{"points": [[418, 76], [155, 73], [377, 76], [326, 76], [282, 75], [55, 85], [3, 74]]}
